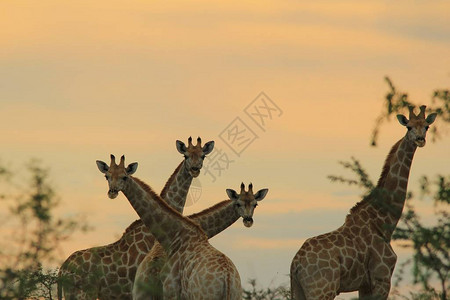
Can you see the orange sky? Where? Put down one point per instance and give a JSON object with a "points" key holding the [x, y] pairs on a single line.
{"points": [[80, 80]]}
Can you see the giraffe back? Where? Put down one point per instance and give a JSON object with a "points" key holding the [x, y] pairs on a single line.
{"points": [[106, 272]]}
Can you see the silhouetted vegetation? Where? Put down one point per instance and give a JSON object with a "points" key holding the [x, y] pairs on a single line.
{"points": [[34, 235], [277, 293], [431, 244]]}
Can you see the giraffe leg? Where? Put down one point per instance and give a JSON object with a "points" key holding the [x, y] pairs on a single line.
{"points": [[172, 286], [381, 266], [297, 292], [380, 289], [380, 293], [365, 293], [380, 284], [72, 292], [148, 284], [322, 287]]}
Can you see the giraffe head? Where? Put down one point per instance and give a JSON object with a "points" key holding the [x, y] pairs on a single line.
{"points": [[246, 202], [417, 125], [116, 174], [194, 155]]}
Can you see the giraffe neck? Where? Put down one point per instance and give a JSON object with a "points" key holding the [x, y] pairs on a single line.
{"points": [[169, 227], [177, 187], [217, 218], [393, 183]]}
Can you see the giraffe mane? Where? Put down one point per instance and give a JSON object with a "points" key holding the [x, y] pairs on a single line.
{"points": [[132, 226], [387, 164], [173, 212], [170, 180], [381, 180], [360, 204], [136, 224], [209, 209]]}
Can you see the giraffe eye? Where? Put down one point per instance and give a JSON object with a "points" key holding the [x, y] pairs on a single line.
{"points": [[409, 128], [106, 176], [255, 205], [125, 178], [203, 156], [238, 204], [426, 127], [185, 156]]}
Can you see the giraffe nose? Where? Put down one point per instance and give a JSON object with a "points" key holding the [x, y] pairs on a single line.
{"points": [[248, 221], [195, 171], [112, 193], [420, 141]]}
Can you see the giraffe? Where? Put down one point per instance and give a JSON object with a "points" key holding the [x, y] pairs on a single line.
{"points": [[213, 220], [107, 272], [358, 256], [195, 269]]}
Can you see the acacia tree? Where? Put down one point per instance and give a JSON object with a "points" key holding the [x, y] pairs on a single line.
{"points": [[431, 244], [33, 235]]}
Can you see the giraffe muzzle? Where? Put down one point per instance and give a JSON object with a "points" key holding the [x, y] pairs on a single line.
{"points": [[113, 193], [420, 141], [248, 221], [195, 171]]}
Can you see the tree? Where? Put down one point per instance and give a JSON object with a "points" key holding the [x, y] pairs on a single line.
{"points": [[431, 244], [34, 235]]}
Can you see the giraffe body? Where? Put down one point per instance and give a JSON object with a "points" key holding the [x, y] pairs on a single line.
{"points": [[203, 272], [149, 276], [341, 261], [191, 274], [358, 255], [108, 272]]}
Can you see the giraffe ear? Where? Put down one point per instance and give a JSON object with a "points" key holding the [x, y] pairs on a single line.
{"points": [[181, 147], [261, 194], [102, 166], [402, 119], [232, 194], [209, 146], [431, 117], [132, 168]]}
